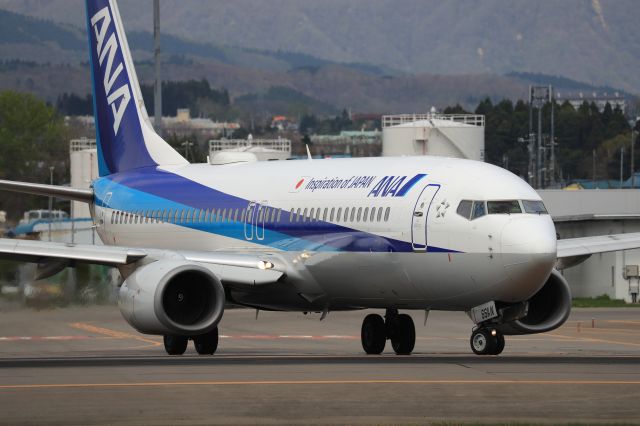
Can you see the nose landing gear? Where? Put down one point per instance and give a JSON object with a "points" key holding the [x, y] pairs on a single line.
{"points": [[485, 341], [399, 328]]}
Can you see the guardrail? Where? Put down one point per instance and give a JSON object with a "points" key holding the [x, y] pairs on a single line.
{"points": [[283, 145], [394, 120]]}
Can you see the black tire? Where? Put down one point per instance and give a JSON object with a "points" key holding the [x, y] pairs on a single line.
{"points": [[206, 344], [373, 334], [499, 344], [483, 343], [403, 338], [175, 345]]}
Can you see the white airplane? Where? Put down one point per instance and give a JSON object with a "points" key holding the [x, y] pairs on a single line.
{"points": [[397, 234]]}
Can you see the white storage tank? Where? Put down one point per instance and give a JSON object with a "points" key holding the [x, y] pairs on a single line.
{"points": [[446, 135], [84, 170], [262, 149]]}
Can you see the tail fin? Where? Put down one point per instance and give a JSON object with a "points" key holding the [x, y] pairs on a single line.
{"points": [[125, 138]]}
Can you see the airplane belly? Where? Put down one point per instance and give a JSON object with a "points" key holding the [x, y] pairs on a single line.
{"points": [[455, 280], [363, 279]]}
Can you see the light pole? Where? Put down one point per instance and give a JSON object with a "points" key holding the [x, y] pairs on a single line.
{"points": [[50, 200], [633, 173], [186, 145]]}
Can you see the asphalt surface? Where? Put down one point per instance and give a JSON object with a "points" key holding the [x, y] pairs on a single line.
{"points": [[87, 366]]}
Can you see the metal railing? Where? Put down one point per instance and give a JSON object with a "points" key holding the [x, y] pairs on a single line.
{"points": [[394, 120], [81, 144], [282, 145]]}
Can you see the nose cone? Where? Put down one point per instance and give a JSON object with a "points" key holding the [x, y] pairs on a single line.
{"points": [[528, 254], [529, 235]]}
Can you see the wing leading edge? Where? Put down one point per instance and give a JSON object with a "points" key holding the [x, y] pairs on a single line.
{"points": [[572, 251], [234, 269], [65, 192]]}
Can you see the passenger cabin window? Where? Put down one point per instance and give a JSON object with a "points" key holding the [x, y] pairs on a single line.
{"points": [[534, 207], [503, 207], [478, 210]]}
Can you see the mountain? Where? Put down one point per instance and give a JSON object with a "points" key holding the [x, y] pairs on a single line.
{"points": [[592, 41]]}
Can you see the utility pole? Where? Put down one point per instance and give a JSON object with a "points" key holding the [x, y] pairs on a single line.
{"points": [[50, 200], [552, 140], [538, 97], [539, 150], [633, 172], [594, 168], [157, 104], [621, 164]]}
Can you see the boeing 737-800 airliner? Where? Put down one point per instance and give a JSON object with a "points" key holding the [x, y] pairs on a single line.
{"points": [[396, 234]]}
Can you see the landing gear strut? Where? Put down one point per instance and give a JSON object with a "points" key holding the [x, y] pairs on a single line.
{"points": [[486, 341], [398, 328]]}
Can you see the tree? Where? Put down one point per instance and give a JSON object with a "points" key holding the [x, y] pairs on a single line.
{"points": [[33, 138]]}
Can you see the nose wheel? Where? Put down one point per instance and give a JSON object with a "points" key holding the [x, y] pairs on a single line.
{"points": [[399, 328], [486, 341]]}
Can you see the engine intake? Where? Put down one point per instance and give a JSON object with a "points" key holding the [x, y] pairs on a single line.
{"points": [[548, 309], [172, 297]]}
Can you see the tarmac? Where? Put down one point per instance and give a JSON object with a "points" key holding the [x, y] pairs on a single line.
{"points": [[85, 365]]}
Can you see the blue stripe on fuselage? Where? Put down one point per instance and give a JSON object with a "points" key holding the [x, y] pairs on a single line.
{"points": [[152, 189]]}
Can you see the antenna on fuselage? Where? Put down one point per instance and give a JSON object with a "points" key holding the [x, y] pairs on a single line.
{"points": [[309, 153]]}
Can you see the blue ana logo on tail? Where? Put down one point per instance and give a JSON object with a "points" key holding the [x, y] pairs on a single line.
{"points": [[119, 98], [119, 120]]}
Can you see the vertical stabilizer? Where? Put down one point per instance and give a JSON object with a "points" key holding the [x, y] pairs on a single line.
{"points": [[125, 138]]}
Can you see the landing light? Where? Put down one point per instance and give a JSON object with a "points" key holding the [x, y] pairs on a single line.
{"points": [[265, 264], [493, 333]]}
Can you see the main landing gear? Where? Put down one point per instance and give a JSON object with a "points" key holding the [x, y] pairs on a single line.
{"points": [[205, 344], [487, 341], [397, 327]]}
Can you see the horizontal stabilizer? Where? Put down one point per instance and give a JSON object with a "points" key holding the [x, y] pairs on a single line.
{"points": [[64, 192]]}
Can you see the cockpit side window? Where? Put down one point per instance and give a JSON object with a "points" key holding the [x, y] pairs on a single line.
{"points": [[464, 208], [534, 207], [478, 210], [504, 207]]}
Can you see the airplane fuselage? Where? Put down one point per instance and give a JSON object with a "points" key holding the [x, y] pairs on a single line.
{"points": [[350, 233]]}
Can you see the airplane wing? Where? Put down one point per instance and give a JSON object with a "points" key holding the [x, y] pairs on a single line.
{"points": [[572, 251], [64, 192], [233, 268]]}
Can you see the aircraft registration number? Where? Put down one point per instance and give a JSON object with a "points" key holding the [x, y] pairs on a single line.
{"points": [[484, 312]]}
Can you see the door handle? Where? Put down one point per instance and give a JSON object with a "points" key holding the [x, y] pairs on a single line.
{"points": [[418, 214]]}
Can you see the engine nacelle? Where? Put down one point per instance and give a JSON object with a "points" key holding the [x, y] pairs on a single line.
{"points": [[172, 297], [548, 309]]}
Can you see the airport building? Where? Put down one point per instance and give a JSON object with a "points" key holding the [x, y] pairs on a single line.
{"points": [[588, 213], [615, 99]]}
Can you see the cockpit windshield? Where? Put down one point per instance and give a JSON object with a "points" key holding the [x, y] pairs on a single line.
{"points": [[473, 209], [504, 207], [535, 207]]}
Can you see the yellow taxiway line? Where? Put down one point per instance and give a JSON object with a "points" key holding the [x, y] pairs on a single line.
{"points": [[321, 382]]}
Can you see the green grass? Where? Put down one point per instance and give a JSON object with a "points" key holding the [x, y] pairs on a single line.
{"points": [[603, 301]]}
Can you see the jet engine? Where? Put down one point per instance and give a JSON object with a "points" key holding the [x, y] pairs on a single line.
{"points": [[547, 310], [172, 297]]}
